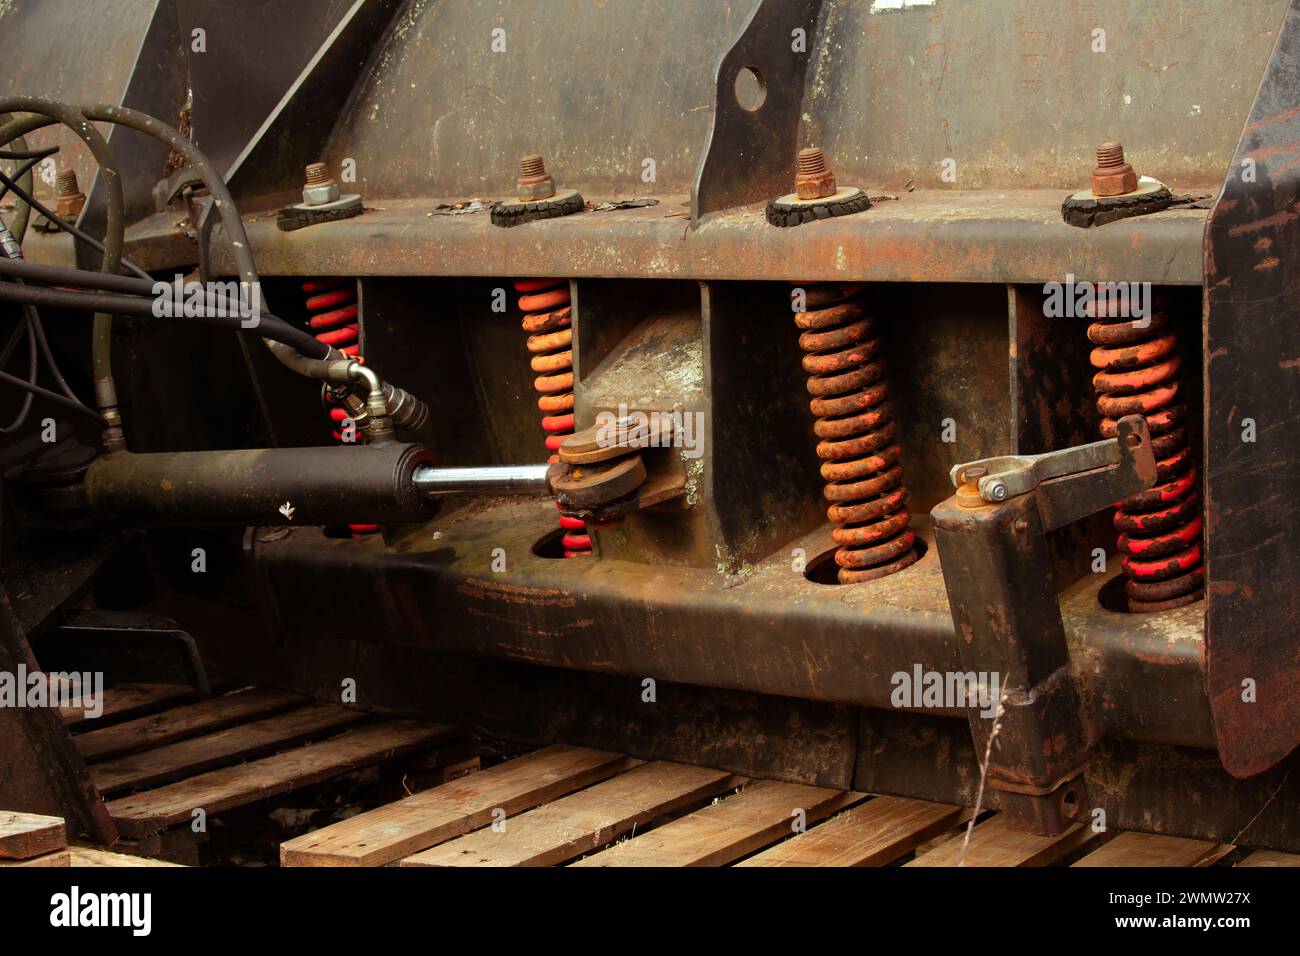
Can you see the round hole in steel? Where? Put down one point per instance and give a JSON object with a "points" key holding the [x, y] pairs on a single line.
{"points": [[550, 545], [750, 89], [1070, 803]]}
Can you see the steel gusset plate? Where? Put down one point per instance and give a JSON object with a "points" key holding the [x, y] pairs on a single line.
{"points": [[750, 152], [1252, 370]]}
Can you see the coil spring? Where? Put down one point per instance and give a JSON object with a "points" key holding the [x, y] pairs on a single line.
{"points": [[1159, 529], [860, 457], [548, 322], [333, 307]]}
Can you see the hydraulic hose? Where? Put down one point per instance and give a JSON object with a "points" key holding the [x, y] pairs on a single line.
{"points": [[50, 111], [215, 303]]}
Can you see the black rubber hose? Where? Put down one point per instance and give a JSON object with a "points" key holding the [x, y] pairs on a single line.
{"points": [[62, 275], [67, 226], [36, 154], [223, 202], [55, 397], [114, 203], [127, 285], [32, 349], [24, 210], [268, 327], [22, 170]]}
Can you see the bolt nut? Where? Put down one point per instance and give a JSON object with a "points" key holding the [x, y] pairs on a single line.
{"points": [[534, 181], [70, 198], [319, 195], [1113, 176], [813, 179], [69, 207], [534, 191]]}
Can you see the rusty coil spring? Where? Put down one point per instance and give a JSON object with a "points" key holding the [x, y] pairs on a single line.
{"points": [[1160, 529], [333, 307], [547, 320], [860, 456]]}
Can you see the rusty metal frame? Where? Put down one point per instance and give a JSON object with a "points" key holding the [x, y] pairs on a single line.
{"points": [[1252, 370], [40, 768]]}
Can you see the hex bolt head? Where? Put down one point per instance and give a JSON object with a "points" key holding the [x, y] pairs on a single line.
{"points": [[70, 198], [320, 187], [813, 179], [534, 181], [1113, 176]]}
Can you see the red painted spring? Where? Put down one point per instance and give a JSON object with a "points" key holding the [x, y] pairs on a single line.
{"points": [[1160, 529], [860, 456], [548, 322], [333, 307]]}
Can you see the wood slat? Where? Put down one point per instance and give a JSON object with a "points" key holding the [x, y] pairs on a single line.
{"points": [[223, 747], [992, 844], [1153, 849], [871, 834], [181, 723], [583, 821], [91, 856], [56, 859], [1270, 858], [128, 700], [389, 833], [150, 811], [726, 830], [27, 835]]}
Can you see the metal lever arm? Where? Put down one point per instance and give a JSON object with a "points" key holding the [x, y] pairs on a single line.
{"points": [[1074, 482]]}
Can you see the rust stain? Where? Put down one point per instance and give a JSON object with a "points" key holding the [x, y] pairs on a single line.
{"points": [[1281, 117], [1279, 218], [482, 590]]}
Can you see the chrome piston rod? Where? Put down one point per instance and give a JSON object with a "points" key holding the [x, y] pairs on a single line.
{"points": [[486, 480]]}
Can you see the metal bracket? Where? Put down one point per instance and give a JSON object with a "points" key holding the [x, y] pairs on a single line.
{"points": [[749, 153], [992, 539], [1076, 482], [126, 647]]}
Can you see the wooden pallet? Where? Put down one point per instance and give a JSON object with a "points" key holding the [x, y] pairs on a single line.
{"points": [[579, 807], [158, 755], [31, 839]]}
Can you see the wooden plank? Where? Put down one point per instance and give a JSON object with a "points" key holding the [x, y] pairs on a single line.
{"points": [[124, 701], [150, 811], [223, 747], [1152, 849], [992, 844], [871, 834], [432, 816], [56, 859], [584, 821], [92, 856], [726, 830], [1270, 858], [181, 723], [25, 835]]}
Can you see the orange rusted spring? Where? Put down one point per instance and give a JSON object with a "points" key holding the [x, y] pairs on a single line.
{"points": [[1160, 529], [548, 322], [333, 307], [858, 447]]}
